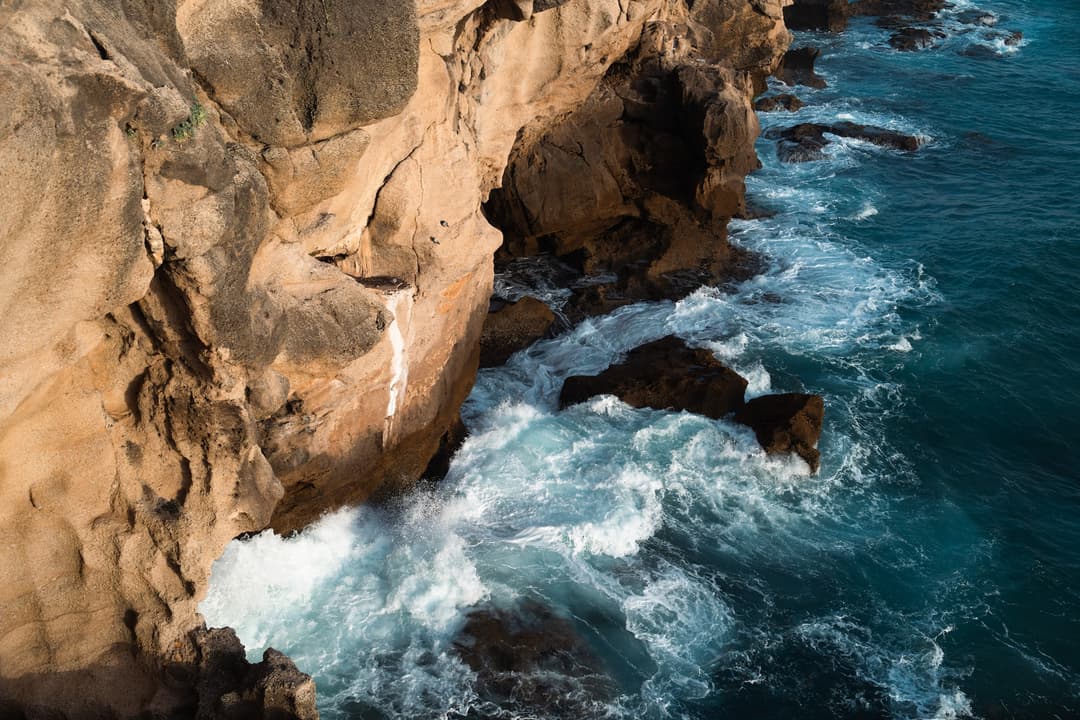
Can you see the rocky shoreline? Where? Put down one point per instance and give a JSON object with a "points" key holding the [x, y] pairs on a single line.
{"points": [[249, 278]]}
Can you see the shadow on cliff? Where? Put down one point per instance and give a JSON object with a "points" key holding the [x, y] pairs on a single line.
{"points": [[218, 683]]}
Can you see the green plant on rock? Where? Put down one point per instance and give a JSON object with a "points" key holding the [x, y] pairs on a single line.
{"points": [[186, 129]]}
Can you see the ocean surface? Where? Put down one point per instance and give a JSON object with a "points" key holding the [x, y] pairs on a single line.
{"points": [[931, 569]]}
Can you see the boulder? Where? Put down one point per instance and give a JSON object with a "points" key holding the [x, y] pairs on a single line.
{"points": [[664, 374], [828, 15], [775, 103], [531, 661], [513, 327], [797, 68], [788, 423]]}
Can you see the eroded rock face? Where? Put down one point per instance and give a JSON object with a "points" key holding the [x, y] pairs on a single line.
{"points": [[246, 271], [652, 166], [797, 68]]}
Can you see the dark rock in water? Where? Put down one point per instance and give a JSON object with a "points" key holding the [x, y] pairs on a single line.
{"points": [[789, 423], [797, 68], [915, 9], [512, 328], [532, 662], [1014, 38], [981, 52], [757, 212], [228, 686], [910, 39], [665, 374], [828, 15], [773, 103], [806, 142], [639, 259], [977, 17]]}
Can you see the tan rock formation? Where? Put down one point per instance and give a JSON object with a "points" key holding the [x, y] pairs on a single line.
{"points": [[244, 275], [652, 166]]}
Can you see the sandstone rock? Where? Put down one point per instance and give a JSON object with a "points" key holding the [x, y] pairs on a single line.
{"points": [[805, 142], [531, 660], [664, 374], [774, 103], [652, 166], [828, 15], [290, 73], [197, 197], [512, 328], [797, 68], [789, 423]]}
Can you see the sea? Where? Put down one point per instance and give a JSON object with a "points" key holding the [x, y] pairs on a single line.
{"points": [[930, 570]]}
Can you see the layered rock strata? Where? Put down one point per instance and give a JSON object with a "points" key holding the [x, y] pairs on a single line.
{"points": [[246, 271]]}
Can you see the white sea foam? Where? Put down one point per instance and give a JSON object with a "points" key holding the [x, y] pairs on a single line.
{"points": [[594, 501], [866, 212]]}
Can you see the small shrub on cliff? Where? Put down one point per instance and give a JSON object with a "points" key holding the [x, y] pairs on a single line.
{"points": [[186, 129]]}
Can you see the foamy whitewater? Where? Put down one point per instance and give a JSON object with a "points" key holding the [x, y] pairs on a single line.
{"points": [[928, 571]]}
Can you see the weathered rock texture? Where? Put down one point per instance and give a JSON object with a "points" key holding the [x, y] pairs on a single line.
{"points": [[652, 166], [513, 327], [245, 273]]}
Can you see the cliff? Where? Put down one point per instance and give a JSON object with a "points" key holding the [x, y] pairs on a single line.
{"points": [[246, 264]]}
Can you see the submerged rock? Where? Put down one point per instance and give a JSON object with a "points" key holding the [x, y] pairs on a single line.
{"points": [[665, 374], [513, 327], [976, 16], [788, 423], [529, 660], [797, 68], [806, 142], [910, 39], [773, 103]]}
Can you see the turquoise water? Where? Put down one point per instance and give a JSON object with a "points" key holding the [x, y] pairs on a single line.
{"points": [[932, 568]]}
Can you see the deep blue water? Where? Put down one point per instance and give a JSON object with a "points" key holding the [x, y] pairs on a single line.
{"points": [[932, 568]]}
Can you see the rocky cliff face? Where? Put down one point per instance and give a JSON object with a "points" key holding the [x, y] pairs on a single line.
{"points": [[245, 270]]}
